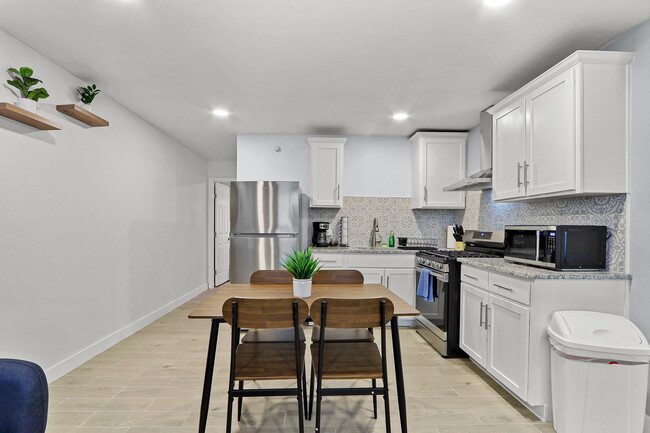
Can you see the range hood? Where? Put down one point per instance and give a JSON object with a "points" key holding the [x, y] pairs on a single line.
{"points": [[482, 179]]}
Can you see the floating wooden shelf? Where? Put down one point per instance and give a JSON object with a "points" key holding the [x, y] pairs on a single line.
{"points": [[27, 117], [82, 115]]}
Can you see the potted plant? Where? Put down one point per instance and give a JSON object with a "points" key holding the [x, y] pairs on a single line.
{"points": [[302, 265], [24, 81], [88, 95]]}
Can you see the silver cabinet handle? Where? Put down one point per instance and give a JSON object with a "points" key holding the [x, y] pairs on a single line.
{"points": [[481, 322], [487, 310], [526, 165], [519, 174], [387, 280], [502, 287], [326, 261], [338, 192], [426, 194], [381, 281], [472, 277]]}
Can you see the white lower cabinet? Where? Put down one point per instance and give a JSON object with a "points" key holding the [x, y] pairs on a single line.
{"points": [[395, 271], [503, 321], [508, 334]]}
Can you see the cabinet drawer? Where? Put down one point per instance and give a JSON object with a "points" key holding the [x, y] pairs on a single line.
{"points": [[474, 276], [517, 289], [330, 260], [378, 260]]}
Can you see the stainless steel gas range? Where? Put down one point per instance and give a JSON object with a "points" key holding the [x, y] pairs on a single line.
{"points": [[439, 323]]}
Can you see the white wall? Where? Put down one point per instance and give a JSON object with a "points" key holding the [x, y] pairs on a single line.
{"points": [[374, 166], [638, 39], [101, 229], [222, 169]]}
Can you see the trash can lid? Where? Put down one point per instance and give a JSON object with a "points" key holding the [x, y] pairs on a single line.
{"points": [[598, 332]]}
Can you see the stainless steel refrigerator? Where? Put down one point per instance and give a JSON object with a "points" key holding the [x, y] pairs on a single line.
{"points": [[265, 223]]}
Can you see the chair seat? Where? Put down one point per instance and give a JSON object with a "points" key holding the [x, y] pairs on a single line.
{"points": [[349, 361], [280, 335], [342, 335], [267, 361]]}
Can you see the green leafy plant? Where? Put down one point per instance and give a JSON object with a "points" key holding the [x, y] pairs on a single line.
{"points": [[23, 81], [88, 93], [301, 264]]}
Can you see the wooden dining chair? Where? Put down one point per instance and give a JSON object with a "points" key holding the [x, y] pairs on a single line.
{"points": [[360, 360], [272, 361]]}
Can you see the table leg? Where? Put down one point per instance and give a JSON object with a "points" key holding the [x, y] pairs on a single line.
{"points": [[399, 373], [209, 370]]}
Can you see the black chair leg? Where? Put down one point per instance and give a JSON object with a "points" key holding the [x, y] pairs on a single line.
{"points": [[311, 394], [319, 397], [374, 399], [387, 409], [229, 409], [240, 401], [304, 392], [301, 414]]}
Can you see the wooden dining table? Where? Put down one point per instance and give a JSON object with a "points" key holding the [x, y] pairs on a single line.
{"points": [[212, 309]]}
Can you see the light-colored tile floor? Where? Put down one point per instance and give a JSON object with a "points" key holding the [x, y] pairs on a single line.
{"points": [[151, 383]]}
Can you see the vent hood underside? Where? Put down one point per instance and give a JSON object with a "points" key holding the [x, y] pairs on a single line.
{"points": [[475, 182]]}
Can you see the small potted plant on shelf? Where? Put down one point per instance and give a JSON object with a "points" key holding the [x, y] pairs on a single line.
{"points": [[88, 95], [302, 265], [24, 81]]}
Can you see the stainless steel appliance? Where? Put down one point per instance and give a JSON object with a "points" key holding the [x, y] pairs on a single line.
{"points": [[439, 322], [563, 248], [264, 225], [319, 238]]}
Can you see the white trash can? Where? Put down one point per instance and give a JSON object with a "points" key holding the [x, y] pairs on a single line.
{"points": [[599, 373]]}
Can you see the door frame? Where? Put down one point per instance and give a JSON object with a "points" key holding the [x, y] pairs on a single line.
{"points": [[210, 225]]}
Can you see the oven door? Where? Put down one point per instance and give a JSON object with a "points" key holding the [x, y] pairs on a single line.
{"points": [[433, 314]]}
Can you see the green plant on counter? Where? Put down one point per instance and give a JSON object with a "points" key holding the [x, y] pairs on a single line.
{"points": [[301, 264], [23, 81], [88, 93]]}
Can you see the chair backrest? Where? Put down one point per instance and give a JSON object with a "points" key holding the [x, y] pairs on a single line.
{"points": [[352, 313], [347, 276], [271, 277], [23, 397], [265, 313]]}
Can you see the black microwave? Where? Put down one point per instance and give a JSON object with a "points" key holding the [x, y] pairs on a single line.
{"points": [[563, 248]]}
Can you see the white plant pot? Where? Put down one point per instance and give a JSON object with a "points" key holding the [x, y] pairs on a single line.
{"points": [[86, 107], [302, 288], [27, 104]]}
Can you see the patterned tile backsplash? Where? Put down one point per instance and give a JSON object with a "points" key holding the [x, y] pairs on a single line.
{"points": [[395, 214]]}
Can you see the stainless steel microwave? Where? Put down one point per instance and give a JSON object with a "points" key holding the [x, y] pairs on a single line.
{"points": [[563, 248]]}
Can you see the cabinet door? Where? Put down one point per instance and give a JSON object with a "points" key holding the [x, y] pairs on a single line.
{"points": [[402, 283], [508, 337], [509, 135], [551, 137], [473, 335], [444, 165], [372, 275], [326, 172]]}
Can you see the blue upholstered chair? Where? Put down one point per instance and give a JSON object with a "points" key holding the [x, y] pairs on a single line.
{"points": [[23, 397]]}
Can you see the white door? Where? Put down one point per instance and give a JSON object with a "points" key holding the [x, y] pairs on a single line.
{"points": [[372, 275], [473, 336], [326, 171], [509, 132], [551, 140], [221, 233], [402, 283], [508, 338], [445, 164]]}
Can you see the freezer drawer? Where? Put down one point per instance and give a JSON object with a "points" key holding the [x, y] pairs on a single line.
{"points": [[252, 253]]}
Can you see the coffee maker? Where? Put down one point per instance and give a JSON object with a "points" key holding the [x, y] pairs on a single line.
{"points": [[319, 238]]}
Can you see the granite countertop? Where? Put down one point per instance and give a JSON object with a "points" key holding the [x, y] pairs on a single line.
{"points": [[531, 272], [362, 250]]}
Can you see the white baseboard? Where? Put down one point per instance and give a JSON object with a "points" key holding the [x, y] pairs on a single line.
{"points": [[647, 424], [87, 353]]}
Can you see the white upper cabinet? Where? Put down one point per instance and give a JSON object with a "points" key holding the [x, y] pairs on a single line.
{"points": [[438, 160], [326, 171], [566, 132]]}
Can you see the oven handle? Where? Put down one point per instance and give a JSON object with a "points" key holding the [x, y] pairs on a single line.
{"points": [[441, 276]]}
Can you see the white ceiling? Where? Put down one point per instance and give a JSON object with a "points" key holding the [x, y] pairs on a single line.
{"points": [[311, 66]]}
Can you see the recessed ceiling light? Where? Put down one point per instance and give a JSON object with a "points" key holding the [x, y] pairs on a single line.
{"points": [[221, 113], [495, 3], [400, 116]]}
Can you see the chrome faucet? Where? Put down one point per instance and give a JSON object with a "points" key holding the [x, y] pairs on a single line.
{"points": [[374, 242]]}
